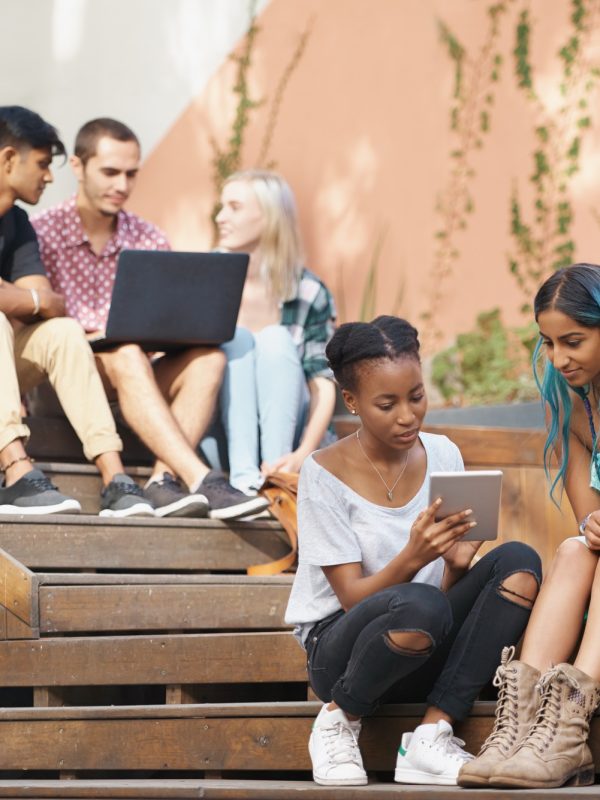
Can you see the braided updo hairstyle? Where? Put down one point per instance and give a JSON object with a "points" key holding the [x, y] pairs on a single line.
{"points": [[355, 342]]}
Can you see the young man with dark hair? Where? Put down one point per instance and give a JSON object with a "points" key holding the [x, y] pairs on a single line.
{"points": [[168, 402], [38, 341]]}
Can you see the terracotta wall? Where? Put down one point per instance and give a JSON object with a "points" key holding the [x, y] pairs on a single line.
{"points": [[363, 136]]}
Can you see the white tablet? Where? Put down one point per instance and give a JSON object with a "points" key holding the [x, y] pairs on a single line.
{"points": [[479, 490]]}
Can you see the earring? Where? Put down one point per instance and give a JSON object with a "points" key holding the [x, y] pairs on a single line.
{"points": [[353, 411]]}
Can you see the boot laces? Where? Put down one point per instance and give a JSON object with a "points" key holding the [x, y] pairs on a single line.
{"points": [[506, 722], [544, 728], [341, 744]]}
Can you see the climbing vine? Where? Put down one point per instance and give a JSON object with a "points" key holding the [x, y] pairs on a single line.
{"points": [[470, 121], [543, 238], [229, 159]]}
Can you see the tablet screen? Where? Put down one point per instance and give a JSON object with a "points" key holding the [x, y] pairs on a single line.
{"points": [[479, 490]]}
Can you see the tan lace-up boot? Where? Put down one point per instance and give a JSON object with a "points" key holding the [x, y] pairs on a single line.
{"points": [[518, 699], [555, 752]]}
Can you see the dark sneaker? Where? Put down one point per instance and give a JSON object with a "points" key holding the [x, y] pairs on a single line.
{"points": [[226, 502], [170, 499], [35, 494], [124, 498]]}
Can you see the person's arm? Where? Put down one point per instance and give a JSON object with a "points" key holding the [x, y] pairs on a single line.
{"points": [[26, 294], [31, 297], [322, 404], [428, 540], [583, 499]]}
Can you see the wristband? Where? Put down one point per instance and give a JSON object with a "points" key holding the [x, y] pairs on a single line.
{"points": [[583, 523], [35, 296]]}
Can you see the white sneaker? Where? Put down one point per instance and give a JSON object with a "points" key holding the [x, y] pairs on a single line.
{"points": [[430, 754], [333, 748]]}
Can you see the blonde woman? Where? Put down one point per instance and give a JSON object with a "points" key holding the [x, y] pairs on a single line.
{"points": [[278, 394]]}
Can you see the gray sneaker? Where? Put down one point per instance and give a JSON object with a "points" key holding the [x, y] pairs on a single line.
{"points": [[34, 494], [124, 498], [170, 499], [226, 502]]}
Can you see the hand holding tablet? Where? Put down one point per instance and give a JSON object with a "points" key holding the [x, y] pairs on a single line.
{"points": [[478, 490]]}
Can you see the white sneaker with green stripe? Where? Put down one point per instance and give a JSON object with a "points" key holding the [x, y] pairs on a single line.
{"points": [[431, 754]]}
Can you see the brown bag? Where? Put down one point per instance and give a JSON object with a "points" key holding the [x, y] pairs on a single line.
{"points": [[281, 490]]}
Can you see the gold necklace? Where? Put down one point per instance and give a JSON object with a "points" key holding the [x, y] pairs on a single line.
{"points": [[390, 490]]}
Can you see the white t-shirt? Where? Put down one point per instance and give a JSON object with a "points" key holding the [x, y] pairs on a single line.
{"points": [[338, 526]]}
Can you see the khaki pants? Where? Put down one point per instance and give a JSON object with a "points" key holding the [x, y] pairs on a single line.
{"points": [[55, 349]]}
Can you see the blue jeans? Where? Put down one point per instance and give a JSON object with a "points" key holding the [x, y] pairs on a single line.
{"points": [[351, 662], [264, 402]]}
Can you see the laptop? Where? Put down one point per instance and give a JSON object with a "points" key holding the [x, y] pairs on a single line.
{"points": [[165, 300]]}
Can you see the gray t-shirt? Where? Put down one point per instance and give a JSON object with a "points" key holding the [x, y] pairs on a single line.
{"points": [[338, 526]]}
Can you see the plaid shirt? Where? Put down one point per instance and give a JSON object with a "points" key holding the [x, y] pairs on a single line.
{"points": [[310, 319]]}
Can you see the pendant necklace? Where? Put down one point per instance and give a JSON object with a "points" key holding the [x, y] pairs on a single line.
{"points": [[389, 489]]}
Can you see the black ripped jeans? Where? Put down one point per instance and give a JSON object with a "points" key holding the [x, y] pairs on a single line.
{"points": [[351, 661]]}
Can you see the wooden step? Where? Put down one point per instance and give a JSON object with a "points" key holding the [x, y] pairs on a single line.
{"points": [[259, 737], [226, 789], [74, 603], [91, 542], [274, 657]]}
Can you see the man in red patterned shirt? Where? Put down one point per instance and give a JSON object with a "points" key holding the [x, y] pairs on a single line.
{"points": [[169, 402]]}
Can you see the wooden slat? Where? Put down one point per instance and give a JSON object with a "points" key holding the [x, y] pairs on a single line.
{"points": [[256, 789], [124, 741], [76, 542], [162, 607], [182, 659], [240, 737], [173, 578], [18, 590]]}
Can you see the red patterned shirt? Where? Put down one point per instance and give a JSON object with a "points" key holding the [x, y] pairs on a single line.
{"points": [[84, 278]]}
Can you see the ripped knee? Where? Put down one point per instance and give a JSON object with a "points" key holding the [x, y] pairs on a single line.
{"points": [[415, 643], [520, 588]]}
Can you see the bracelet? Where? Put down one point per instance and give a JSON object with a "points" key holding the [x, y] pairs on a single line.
{"points": [[583, 523], [16, 461], [35, 296]]}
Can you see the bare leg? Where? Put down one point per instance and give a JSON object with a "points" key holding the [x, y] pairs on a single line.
{"points": [[145, 410], [588, 658], [109, 465], [557, 616], [190, 382]]}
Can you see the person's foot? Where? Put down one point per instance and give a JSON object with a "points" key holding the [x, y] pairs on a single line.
{"points": [[170, 499], [226, 502], [334, 751], [124, 498], [430, 755], [33, 494]]}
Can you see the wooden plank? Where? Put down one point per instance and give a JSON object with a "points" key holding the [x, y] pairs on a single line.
{"points": [[264, 743], [18, 590], [137, 544], [173, 578], [17, 629], [176, 659], [262, 789], [72, 609], [255, 789]]}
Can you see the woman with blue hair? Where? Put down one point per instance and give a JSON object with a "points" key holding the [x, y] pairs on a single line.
{"points": [[545, 704]]}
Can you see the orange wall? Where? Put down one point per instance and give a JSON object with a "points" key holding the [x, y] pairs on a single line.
{"points": [[363, 137]]}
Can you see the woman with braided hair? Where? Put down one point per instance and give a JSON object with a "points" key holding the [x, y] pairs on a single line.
{"points": [[385, 601]]}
